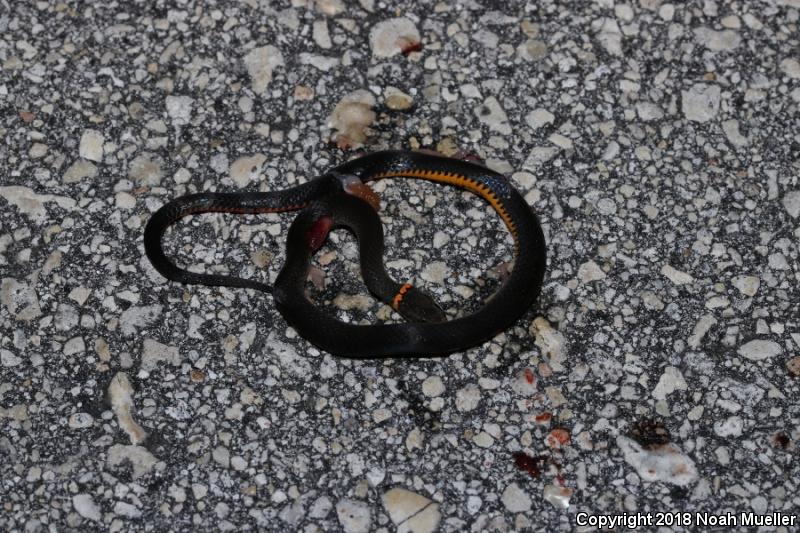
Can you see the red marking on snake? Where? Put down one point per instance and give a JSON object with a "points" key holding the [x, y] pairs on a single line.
{"points": [[319, 232]]}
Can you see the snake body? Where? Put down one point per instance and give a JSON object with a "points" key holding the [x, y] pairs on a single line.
{"points": [[427, 335]]}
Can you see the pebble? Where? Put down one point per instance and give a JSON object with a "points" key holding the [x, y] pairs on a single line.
{"points": [[8, 359], [390, 37], [557, 496], [791, 202], [396, 99], [78, 171], [134, 318], [146, 169], [179, 108], [140, 458], [354, 516], [731, 129], [491, 113], [729, 427], [435, 272], [539, 118], [433, 386], [260, 63], [120, 395], [791, 67], [468, 398], [350, 118], [665, 463], [321, 34], [80, 420], [91, 146], [701, 102], [671, 380], [717, 40], [154, 353], [793, 365], [410, 511], [246, 169], [676, 276], [86, 507], [515, 499], [590, 271], [758, 350]]}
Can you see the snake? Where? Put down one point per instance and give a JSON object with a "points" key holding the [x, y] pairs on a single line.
{"points": [[342, 198]]}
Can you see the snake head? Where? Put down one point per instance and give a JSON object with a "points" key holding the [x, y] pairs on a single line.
{"points": [[352, 184], [417, 306]]}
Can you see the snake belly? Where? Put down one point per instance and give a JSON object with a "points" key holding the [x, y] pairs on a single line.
{"points": [[514, 297]]}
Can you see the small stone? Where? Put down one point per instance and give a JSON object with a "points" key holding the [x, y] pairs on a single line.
{"points": [[37, 150], [139, 458], [757, 349], [393, 36], [402, 504], [127, 510], [321, 34], [791, 67], [154, 353], [433, 387], [730, 427], [717, 41], [791, 202], [532, 50], [483, 440], [731, 21], [260, 64], [91, 146], [179, 108], [557, 496], [676, 276], [671, 380], [701, 102], [731, 129], [538, 118], [125, 200], [120, 395], [589, 272], [666, 462], [246, 169], [468, 398], [84, 505], [648, 111], [146, 170], [350, 118], [136, 317], [80, 420], [79, 170], [491, 113], [747, 285], [396, 99], [354, 516], [435, 272], [74, 346], [440, 238], [793, 365], [561, 141], [8, 359], [515, 499]]}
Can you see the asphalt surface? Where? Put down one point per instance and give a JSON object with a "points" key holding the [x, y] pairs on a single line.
{"points": [[658, 143]]}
